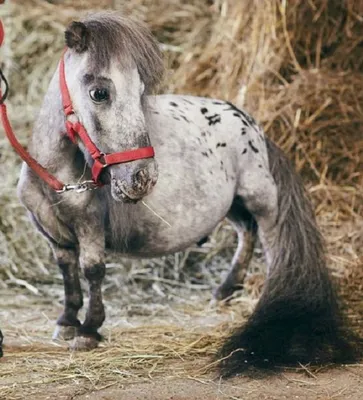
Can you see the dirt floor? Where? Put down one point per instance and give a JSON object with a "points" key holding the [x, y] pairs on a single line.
{"points": [[346, 383], [156, 351]]}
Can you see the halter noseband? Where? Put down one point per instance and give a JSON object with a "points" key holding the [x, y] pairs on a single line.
{"points": [[101, 160]]}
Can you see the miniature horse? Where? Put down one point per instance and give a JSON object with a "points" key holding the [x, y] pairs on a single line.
{"points": [[211, 161]]}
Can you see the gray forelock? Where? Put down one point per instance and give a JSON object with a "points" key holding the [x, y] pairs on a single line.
{"points": [[112, 35]]}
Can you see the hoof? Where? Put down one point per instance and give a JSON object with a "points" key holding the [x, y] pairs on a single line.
{"points": [[84, 343], [64, 332], [225, 292], [213, 303]]}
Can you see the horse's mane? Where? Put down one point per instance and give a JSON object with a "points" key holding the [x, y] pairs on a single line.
{"points": [[113, 35]]}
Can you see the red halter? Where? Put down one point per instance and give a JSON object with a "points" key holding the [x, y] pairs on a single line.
{"points": [[101, 160]]}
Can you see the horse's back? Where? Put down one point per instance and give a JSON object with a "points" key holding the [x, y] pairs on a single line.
{"points": [[228, 133]]}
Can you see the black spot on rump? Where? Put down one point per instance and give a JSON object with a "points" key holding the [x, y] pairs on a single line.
{"points": [[244, 151], [255, 149], [187, 101], [243, 115], [185, 118], [205, 154], [173, 104], [213, 119], [204, 110]]}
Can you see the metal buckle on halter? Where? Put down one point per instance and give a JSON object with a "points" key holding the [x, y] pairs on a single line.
{"points": [[79, 187], [101, 160]]}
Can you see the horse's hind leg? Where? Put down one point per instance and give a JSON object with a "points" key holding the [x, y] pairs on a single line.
{"points": [[68, 323], [258, 192], [246, 229]]}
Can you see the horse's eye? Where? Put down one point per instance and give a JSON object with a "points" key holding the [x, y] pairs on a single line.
{"points": [[99, 95]]}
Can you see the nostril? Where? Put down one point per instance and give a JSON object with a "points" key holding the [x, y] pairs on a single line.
{"points": [[142, 176]]}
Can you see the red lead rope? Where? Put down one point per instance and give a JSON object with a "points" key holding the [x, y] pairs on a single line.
{"points": [[100, 160], [1, 33], [52, 181]]}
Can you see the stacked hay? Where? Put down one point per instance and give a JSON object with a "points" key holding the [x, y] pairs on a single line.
{"points": [[296, 66]]}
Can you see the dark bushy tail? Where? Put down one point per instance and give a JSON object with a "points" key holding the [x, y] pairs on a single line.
{"points": [[297, 318]]}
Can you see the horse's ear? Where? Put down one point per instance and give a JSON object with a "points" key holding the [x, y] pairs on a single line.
{"points": [[77, 36]]}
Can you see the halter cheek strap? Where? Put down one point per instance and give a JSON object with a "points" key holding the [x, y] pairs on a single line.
{"points": [[101, 160]]}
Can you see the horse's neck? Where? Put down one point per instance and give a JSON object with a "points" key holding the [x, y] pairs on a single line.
{"points": [[49, 144]]}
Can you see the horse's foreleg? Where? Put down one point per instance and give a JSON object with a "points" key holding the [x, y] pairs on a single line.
{"points": [[91, 257], [240, 263], [68, 323]]}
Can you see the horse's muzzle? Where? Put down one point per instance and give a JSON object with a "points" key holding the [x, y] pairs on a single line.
{"points": [[132, 181]]}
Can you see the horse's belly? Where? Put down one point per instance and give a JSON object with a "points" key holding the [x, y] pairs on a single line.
{"points": [[177, 214], [157, 241]]}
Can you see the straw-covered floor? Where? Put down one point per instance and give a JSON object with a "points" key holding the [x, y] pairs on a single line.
{"points": [[297, 67]]}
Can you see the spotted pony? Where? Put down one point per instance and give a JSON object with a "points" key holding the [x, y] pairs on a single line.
{"points": [[212, 161]]}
